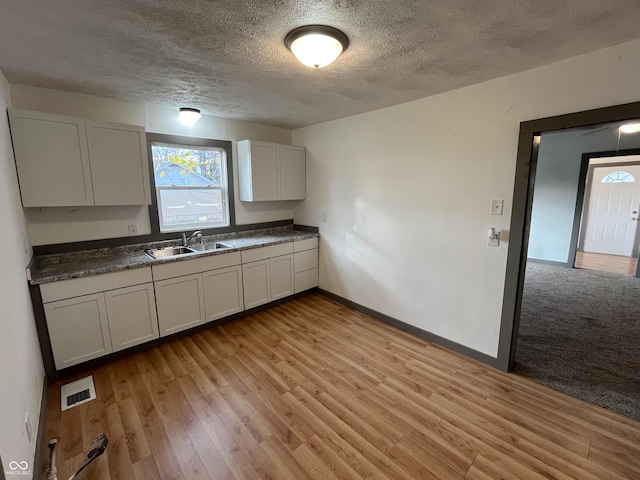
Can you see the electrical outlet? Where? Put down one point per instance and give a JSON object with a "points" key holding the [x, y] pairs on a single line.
{"points": [[27, 426], [323, 217], [133, 230]]}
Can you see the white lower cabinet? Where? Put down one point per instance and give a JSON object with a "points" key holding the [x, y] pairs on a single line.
{"points": [[180, 303], [91, 317], [132, 316], [281, 276], [196, 291], [257, 287], [78, 329], [267, 274], [223, 295]]}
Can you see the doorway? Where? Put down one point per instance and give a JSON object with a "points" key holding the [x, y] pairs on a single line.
{"points": [[526, 164], [609, 239], [595, 328]]}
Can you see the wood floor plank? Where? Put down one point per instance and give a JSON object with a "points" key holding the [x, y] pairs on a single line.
{"points": [[134, 433], [167, 398], [166, 461], [423, 463], [284, 458], [120, 464], [310, 389], [496, 441], [244, 434], [331, 461], [145, 469], [234, 456]]}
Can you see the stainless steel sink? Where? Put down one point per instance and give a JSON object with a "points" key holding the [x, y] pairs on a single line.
{"points": [[206, 247], [168, 252]]}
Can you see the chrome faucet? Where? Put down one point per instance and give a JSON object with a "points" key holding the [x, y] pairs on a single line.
{"points": [[185, 240]]}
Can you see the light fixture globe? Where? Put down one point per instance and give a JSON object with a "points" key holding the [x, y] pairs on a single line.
{"points": [[316, 45], [630, 128], [188, 115]]}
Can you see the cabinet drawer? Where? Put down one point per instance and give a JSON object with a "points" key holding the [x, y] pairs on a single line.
{"points": [[305, 260], [266, 252], [307, 244], [99, 283], [197, 265], [306, 280]]}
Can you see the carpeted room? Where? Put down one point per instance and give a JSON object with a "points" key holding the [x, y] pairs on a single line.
{"points": [[580, 334]]}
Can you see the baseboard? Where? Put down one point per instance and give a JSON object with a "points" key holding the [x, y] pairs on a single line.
{"points": [[432, 337], [40, 458], [549, 262]]}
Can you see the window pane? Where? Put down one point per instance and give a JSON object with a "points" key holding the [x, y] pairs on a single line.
{"points": [[619, 176], [191, 208], [179, 166]]}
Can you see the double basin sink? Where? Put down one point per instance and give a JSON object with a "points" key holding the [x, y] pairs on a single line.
{"points": [[167, 252]]}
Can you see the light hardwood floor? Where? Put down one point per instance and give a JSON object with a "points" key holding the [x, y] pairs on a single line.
{"points": [[606, 263], [310, 389]]}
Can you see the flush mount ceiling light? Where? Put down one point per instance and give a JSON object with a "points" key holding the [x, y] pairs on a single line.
{"points": [[189, 116], [316, 45], [630, 128]]}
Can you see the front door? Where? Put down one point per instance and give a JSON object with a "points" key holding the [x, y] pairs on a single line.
{"points": [[612, 211]]}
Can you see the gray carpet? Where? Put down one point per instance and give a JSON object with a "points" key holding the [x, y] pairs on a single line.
{"points": [[580, 334]]}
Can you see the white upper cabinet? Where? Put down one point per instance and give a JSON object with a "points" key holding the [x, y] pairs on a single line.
{"points": [[270, 171], [52, 159], [66, 161], [119, 166], [292, 172]]}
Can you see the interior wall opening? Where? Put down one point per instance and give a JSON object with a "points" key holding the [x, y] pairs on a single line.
{"points": [[551, 229]]}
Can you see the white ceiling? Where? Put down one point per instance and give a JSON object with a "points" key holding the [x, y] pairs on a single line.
{"points": [[229, 59]]}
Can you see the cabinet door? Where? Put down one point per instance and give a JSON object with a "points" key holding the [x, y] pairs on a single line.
{"points": [[255, 279], [119, 166], [51, 158], [258, 170], [132, 315], [180, 303], [78, 329], [292, 172], [281, 276], [223, 294]]}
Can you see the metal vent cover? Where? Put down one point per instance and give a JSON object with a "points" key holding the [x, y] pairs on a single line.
{"points": [[78, 392]]}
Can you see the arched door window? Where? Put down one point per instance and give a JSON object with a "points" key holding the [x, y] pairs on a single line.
{"points": [[619, 177]]}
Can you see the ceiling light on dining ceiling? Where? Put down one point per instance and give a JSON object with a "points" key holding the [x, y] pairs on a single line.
{"points": [[630, 128], [316, 45], [188, 115]]}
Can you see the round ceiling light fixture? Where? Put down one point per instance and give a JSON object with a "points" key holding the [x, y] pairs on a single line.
{"points": [[316, 45], [630, 128], [188, 115]]}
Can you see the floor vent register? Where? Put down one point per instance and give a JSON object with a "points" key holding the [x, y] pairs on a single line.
{"points": [[78, 392]]}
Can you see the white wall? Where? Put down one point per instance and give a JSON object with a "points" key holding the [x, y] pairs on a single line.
{"points": [[21, 369], [407, 191], [59, 225]]}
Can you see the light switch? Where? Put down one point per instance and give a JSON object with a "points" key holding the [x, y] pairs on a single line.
{"points": [[496, 207]]}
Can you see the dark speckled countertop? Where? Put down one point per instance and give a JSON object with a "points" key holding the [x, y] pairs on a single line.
{"points": [[56, 267]]}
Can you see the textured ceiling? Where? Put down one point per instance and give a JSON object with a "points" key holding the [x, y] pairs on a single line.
{"points": [[229, 59]]}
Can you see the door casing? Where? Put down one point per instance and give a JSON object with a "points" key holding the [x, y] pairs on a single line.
{"points": [[526, 163]]}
